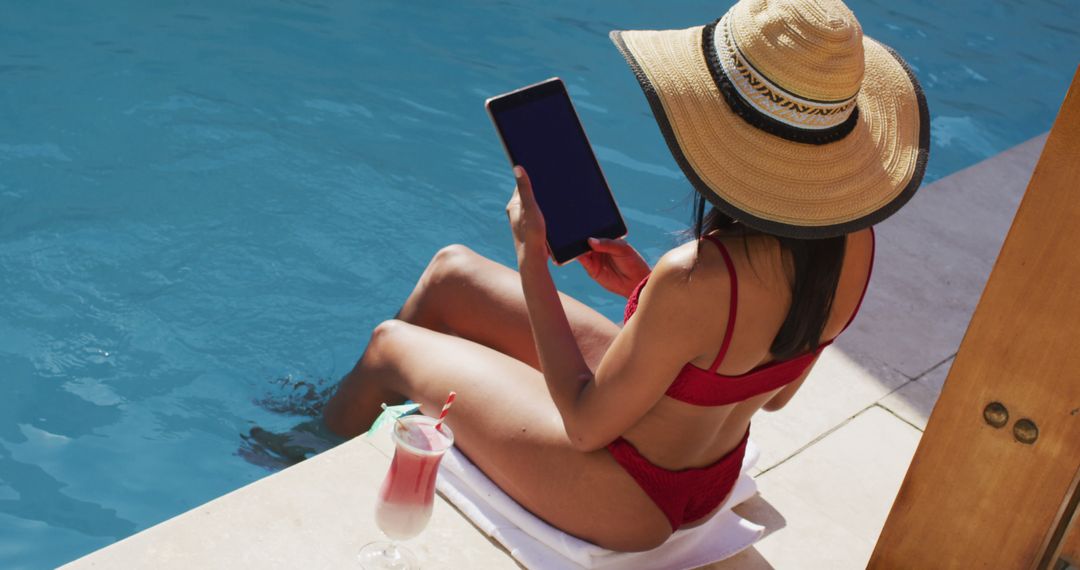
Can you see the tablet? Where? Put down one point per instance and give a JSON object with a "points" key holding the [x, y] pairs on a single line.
{"points": [[541, 132]]}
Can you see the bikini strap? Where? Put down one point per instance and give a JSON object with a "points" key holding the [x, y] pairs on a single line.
{"points": [[873, 247], [733, 303]]}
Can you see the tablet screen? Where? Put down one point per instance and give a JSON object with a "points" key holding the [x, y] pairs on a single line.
{"points": [[542, 133]]}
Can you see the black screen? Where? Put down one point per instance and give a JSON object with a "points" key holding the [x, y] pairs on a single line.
{"points": [[543, 135]]}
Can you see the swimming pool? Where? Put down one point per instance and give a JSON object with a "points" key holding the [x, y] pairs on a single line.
{"points": [[206, 206]]}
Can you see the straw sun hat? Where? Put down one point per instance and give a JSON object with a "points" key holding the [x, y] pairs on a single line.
{"points": [[785, 116]]}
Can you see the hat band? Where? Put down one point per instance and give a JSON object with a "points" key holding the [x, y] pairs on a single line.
{"points": [[769, 98], [763, 104]]}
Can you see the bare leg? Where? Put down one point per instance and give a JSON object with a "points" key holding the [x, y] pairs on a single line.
{"points": [[472, 335], [505, 421], [468, 295], [465, 294]]}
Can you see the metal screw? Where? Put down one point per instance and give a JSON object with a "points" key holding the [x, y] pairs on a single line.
{"points": [[1025, 431], [996, 414]]}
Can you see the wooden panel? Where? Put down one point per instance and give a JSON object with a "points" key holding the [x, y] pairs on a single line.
{"points": [[1070, 547], [974, 497]]}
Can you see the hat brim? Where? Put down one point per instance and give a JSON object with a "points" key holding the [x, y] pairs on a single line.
{"points": [[772, 184]]}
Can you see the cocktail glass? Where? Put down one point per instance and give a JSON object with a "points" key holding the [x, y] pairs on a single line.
{"points": [[408, 491]]}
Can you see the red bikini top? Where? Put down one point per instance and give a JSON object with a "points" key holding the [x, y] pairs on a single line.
{"points": [[702, 387]]}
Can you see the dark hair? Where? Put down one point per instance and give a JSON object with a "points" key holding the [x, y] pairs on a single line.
{"points": [[817, 272]]}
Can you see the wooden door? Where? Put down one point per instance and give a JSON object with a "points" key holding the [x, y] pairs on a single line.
{"points": [[1070, 546], [993, 483]]}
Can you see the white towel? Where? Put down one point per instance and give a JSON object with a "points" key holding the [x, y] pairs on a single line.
{"points": [[538, 545]]}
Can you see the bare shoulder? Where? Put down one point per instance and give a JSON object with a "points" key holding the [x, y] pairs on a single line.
{"points": [[691, 265], [687, 275], [679, 306]]}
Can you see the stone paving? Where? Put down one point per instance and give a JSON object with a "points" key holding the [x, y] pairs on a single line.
{"points": [[832, 460]]}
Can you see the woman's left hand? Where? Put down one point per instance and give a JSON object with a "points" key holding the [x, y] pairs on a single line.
{"points": [[526, 220]]}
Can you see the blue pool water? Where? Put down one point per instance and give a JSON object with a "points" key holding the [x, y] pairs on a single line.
{"points": [[205, 206]]}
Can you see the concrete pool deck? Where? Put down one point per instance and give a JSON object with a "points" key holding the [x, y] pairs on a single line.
{"points": [[832, 460]]}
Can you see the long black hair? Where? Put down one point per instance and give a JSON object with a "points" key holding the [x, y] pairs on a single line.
{"points": [[817, 265]]}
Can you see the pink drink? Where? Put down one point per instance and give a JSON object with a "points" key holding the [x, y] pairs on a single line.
{"points": [[408, 491]]}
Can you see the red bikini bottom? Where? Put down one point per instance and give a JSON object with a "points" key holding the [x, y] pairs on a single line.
{"points": [[686, 494]]}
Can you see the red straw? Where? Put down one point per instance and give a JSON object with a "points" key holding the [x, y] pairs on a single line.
{"points": [[445, 410]]}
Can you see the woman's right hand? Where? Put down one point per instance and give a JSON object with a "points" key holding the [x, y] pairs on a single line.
{"points": [[615, 265]]}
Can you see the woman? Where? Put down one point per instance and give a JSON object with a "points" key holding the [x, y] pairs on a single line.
{"points": [[802, 134]]}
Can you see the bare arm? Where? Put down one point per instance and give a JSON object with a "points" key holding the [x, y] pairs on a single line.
{"points": [[598, 406], [786, 393], [644, 358], [561, 360]]}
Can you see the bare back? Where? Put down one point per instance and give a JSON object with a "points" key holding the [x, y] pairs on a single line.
{"points": [[678, 435]]}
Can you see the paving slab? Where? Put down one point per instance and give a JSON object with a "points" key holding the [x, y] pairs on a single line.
{"points": [[837, 389], [914, 401], [825, 507], [316, 514], [933, 260]]}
